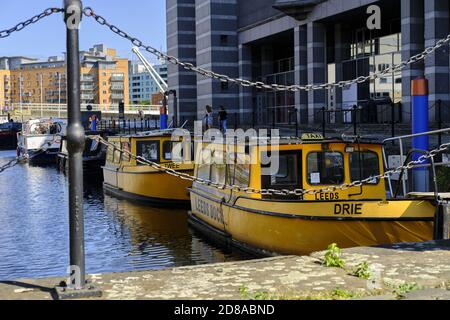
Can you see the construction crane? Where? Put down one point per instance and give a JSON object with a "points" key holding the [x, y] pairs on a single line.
{"points": [[163, 88]]}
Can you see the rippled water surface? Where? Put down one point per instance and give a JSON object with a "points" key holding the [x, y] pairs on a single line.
{"points": [[120, 235]]}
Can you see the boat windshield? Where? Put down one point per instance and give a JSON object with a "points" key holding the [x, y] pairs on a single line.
{"points": [[44, 128], [325, 168]]}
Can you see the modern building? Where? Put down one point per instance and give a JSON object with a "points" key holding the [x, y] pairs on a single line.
{"points": [[142, 84], [305, 42], [104, 79]]}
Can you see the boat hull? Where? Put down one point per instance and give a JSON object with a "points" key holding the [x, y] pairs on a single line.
{"points": [[153, 187], [299, 228]]}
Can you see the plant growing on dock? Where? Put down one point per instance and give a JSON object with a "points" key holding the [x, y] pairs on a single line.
{"points": [[362, 271], [333, 258], [405, 288], [339, 294], [257, 296]]}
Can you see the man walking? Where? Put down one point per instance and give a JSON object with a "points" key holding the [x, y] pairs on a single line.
{"points": [[223, 119]]}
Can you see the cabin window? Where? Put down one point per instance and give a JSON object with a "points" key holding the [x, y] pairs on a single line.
{"points": [[288, 174], [117, 153], [179, 147], [240, 171], [325, 168], [148, 150], [110, 154], [126, 147], [218, 173], [167, 150], [204, 171], [364, 165]]}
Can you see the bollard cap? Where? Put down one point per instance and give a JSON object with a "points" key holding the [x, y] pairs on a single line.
{"points": [[419, 87]]}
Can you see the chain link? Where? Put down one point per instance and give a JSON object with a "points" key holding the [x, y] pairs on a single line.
{"points": [[22, 25], [89, 12], [267, 192]]}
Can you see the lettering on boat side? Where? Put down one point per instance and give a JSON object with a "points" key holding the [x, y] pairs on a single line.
{"points": [[348, 209], [209, 209], [172, 165], [327, 196]]}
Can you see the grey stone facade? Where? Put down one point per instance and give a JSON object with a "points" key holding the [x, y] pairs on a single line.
{"points": [[257, 39]]}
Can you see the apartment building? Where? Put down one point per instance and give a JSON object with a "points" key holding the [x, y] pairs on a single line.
{"points": [[104, 79], [142, 84]]}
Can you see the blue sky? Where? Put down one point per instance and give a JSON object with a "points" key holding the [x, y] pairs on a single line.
{"points": [[145, 19]]}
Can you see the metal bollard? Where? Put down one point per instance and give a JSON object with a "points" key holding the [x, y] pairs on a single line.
{"points": [[76, 286]]}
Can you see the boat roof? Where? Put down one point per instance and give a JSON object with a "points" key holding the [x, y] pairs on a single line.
{"points": [[149, 134], [310, 138], [45, 120]]}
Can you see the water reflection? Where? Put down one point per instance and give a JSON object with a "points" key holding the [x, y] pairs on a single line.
{"points": [[120, 235]]}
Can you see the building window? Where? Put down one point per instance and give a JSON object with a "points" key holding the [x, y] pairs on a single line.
{"points": [[223, 40]]}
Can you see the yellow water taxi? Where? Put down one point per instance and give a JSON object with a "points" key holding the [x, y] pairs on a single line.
{"points": [[127, 178], [279, 224]]}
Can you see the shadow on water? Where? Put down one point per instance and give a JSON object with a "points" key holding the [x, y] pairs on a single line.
{"points": [[120, 235]]}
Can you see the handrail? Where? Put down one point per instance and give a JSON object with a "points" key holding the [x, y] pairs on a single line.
{"points": [[401, 146], [429, 133]]}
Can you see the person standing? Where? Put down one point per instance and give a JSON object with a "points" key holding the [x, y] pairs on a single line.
{"points": [[223, 119], [209, 118]]}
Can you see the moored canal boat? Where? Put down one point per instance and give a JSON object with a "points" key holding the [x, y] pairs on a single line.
{"points": [[40, 140], [279, 224], [127, 178]]}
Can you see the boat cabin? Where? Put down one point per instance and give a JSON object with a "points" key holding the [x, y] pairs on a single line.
{"points": [[309, 163], [156, 147]]}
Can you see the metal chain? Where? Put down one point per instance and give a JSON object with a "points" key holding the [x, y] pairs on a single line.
{"points": [[268, 192], [22, 25], [89, 12]]}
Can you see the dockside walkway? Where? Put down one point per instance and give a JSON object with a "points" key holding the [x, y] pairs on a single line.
{"points": [[406, 271]]}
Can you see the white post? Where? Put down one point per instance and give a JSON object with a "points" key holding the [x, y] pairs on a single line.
{"points": [[59, 95], [20, 94], [42, 93]]}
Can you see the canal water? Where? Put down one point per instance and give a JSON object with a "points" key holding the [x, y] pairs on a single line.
{"points": [[120, 235]]}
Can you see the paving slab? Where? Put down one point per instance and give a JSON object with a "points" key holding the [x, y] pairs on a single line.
{"points": [[406, 271]]}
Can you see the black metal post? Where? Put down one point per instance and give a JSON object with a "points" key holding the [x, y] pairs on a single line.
{"points": [[76, 286], [393, 119], [273, 118], [296, 122], [175, 109], [442, 223], [439, 105], [75, 143], [355, 125], [324, 125]]}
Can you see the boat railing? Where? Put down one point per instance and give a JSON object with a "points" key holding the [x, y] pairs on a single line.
{"points": [[406, 156]]}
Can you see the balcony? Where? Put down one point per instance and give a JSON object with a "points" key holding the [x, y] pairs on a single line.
{"points": [[117, 96], [85, 87], [117, 86], [117, 78], [85, 96], [87, 78], [298, 9]]}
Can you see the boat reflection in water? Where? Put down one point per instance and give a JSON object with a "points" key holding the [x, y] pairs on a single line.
{"points": [[163, 237]]}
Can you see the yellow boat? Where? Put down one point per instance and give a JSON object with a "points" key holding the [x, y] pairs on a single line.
{"points": [[279, 224], [125, 177]]}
